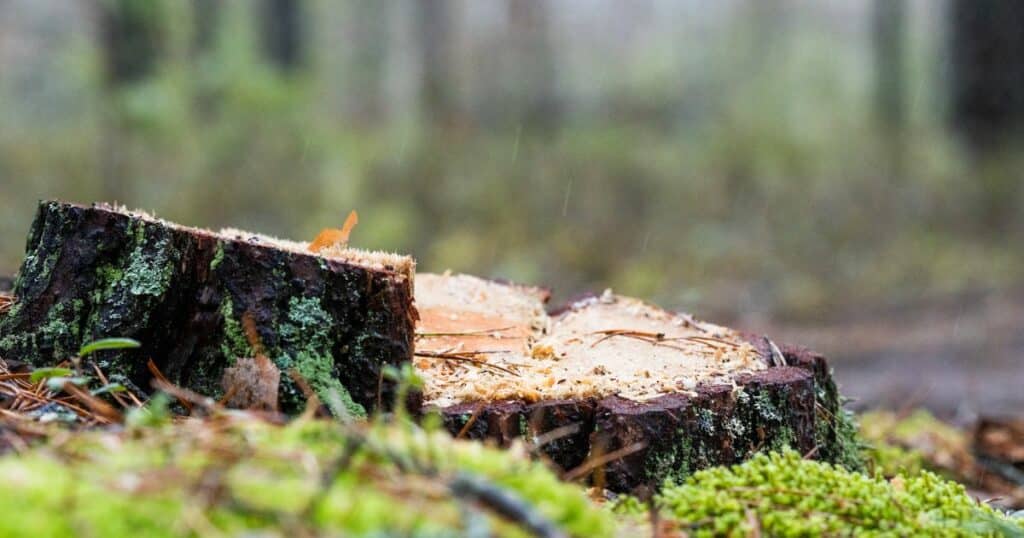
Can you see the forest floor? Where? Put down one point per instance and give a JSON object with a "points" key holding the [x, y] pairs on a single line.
{"points": [[120, 467]]}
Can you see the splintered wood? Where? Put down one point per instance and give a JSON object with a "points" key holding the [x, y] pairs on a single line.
{"points": [[612, 345], [6, 301]]}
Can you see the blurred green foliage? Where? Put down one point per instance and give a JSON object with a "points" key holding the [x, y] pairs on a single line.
{"points": [[717, 172]]}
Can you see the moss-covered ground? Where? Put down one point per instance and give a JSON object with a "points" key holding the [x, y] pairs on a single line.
{"points": [[781, 494], [139, 471], [235, 475], [238, 474]]}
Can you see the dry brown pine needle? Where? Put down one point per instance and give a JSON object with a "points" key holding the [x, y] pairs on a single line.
{"points": [[6, 302]]}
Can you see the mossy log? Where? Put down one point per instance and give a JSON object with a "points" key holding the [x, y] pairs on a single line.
{"points": [[188, 296], [624, 392]]}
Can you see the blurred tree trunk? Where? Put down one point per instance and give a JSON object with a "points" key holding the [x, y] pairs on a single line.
{"points": [[437, 103], [369, 38], [283, 29], [206, 21], [768, 20], [987, 96], [535, 83], [131, 35], [889, 28], [987, 48]]}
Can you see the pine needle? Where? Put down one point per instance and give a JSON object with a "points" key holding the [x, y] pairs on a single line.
{"points": [[475, 332], [6, 302], [464, 357]]}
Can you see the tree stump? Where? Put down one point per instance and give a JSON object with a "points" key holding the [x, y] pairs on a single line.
{"points": [[616, 389], [198, 300]]}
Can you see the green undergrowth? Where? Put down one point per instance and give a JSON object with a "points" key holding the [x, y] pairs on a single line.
{"points": [[908, 444], [782, 494], [233, 476]]}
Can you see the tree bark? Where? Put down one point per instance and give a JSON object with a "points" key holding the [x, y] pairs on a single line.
{"points": [[987, 60], [367, 60], [795, 405], [197, 301], [987, 100], [535, 86], [206, 16], [132, 34], [889, 24], [437, 103], [283, 34]]}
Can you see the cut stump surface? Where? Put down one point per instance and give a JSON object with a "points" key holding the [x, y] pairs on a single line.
{"points": [[616, 390]]}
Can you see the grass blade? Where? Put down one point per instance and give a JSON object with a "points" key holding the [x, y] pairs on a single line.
{"points": [[46, 373], [108, 343]]}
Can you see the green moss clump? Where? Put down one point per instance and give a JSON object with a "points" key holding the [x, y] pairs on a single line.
{"points": [[674, 463], [836, 430], [766, 408], [218, 256], [906, 445], [234, 343], [62, 330], [318, 370], [786, 495], [149, 273], [307, 347], [240, 477]]}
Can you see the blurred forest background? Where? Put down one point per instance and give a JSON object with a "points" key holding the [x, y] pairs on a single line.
{"points": [[843, 173]]}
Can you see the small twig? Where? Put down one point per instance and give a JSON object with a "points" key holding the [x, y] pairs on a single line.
{"points": [[464, 358], [103, 379], [43, 400], [555, 434], [312, 400], [159, 376], [709, 340], [654, 518], [504, 503], [252, 334], [640, 335], [475, 332], [96, 405], [593, 463], [380, 389], [187, 395], [472, 419], [777, 356], [659, 339], [228, 394], [755, 524], [6, 302]]}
